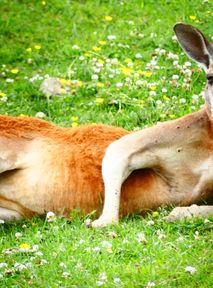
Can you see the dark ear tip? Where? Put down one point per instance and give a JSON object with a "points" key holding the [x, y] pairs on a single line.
{"points": [[179, 26]]}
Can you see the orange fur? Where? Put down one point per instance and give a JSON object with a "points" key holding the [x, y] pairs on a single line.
{"points": [[59, 169]]}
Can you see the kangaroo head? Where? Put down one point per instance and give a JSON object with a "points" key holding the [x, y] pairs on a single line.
{"points": [[197, 47]]}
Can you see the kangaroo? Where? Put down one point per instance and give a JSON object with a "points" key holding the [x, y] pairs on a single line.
{"points": [[44, 167], [179, 152]]}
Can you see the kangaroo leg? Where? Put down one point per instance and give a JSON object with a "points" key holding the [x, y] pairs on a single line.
{"points": [[9, 215], [180, 213], [120, 160], [204, 184], [6, 164], [10, 154], [114, 170]]}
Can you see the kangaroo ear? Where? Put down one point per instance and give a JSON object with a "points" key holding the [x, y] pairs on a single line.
{"points": [[194, 43]]}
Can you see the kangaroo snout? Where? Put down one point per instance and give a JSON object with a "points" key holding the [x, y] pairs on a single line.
{"points": [[209, 77], [209, 74]]}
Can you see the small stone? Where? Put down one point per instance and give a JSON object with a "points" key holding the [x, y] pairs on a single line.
{"points": [[51, 87]]}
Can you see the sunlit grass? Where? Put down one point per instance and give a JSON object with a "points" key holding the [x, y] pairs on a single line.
{"points": [[133, 254], [119, 63]]}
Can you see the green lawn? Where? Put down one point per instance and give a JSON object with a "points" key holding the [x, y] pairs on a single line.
{"points": [[121, 65]]}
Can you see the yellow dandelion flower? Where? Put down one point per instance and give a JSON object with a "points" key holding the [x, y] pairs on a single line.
{"points": [[87, 55], [29, 49], [99, 100], [148, 74], [74, 124], [37, 47], [128, 60], [100, 85], [43, 3], [172, 116], [79, 83], [2, 94], [155, 214], [108, 18], [74, 118], [162, 115], [102, 43], [24, 246], [126, 71], [14, 71], [63, 82], [96, 48], [68, 83], [23, 115], [152, 88], [193, 17], [166, 98]]}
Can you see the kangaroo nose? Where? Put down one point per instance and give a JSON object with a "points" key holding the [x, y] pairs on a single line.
{"points": [[209, 77]]}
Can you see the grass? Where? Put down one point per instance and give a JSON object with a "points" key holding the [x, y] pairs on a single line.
{"points": [[70, 255], [143, 78]]}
